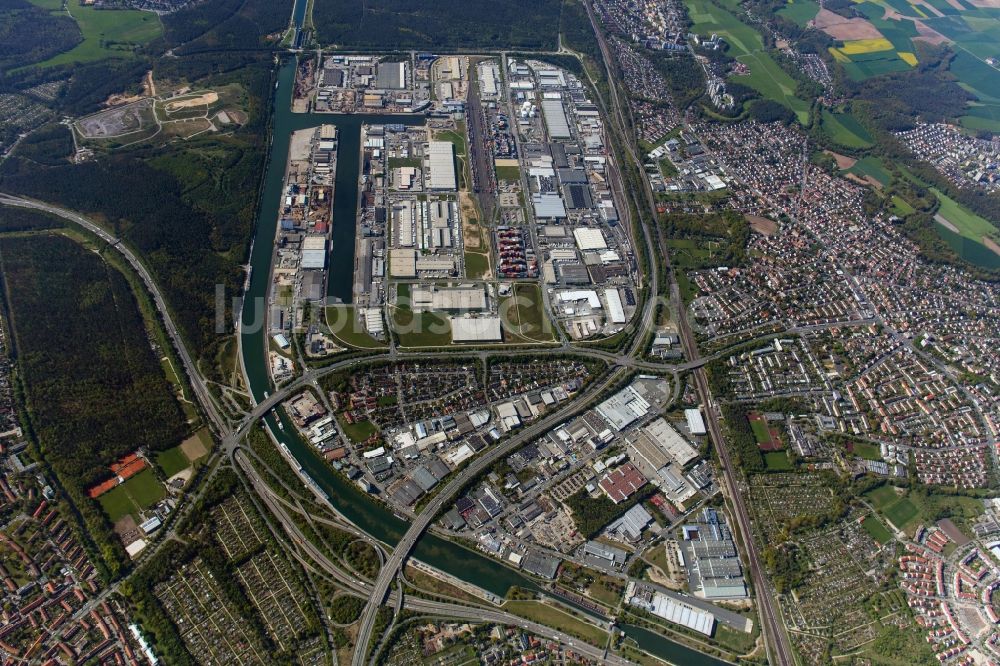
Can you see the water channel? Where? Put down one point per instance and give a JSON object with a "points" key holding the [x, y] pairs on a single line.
{"points": [[354, 504]]}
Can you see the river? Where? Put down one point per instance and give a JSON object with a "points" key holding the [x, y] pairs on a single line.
{"points": [[355, 505]]}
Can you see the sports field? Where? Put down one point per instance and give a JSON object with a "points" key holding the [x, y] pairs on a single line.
{"points": [[172, 461], [876, 529], [777, 461], [140, 492], [106, 33], [901, 513], [882, 496]]}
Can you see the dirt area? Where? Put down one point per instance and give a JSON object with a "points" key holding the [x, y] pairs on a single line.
{"points": [[118, 99], [148, 86], [200, 100], [991, 244], [946, 224], [867, 180], [298, 149], [762, 225], [845, 29], [472, 233], [183, 476], [657, 577], [843, 161], [193, 447]]}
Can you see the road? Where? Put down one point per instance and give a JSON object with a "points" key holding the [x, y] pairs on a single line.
{"points": [[775, 637], [423, 606], [422, 521]]}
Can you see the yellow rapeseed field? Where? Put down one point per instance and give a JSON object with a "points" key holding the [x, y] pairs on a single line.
{"points": [[859, 46]]}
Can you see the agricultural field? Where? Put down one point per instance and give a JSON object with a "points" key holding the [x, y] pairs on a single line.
{"points": [[106, 33], [845, 129], [870, 170], [800, 11], [972, 237]]}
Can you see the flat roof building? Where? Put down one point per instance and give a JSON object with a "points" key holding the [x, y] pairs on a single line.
{"points": [[555, 119], [391, 76], [480, 329], [590, 238], [663, 435], [439, 156], [616, 312], [696, 424], [623, 408]]}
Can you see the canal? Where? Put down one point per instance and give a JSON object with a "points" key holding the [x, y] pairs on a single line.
{"points": [[349, 500]]}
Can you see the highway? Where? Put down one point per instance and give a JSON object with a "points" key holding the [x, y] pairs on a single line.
{"points": [[434, 608]]}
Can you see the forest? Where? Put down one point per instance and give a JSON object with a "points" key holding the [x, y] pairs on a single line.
{"points": [[742, 443], [188, 208], [25, 219], [227, 25], [93, 388], [438, 24], [30, 34]]}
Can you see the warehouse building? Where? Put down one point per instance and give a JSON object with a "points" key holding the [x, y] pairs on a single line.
{"points": [[696, 424], [662, 434], [314, 252], [670, 609], [439, 160], [548, 206], [402, 263], [450, 299], [555, 119], [590, 238], [616, 312], [624, 408], [391, 76], [480, 329]]}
